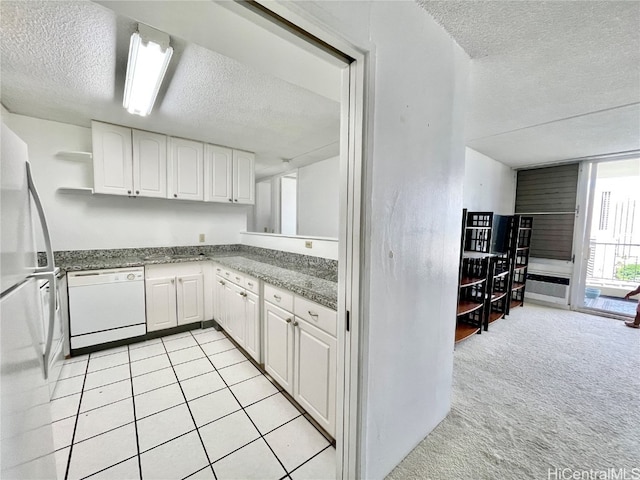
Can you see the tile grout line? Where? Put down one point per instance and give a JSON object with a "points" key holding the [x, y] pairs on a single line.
{"points": [[311, 458], [240, 408], [171, 439], [191, 413], [135, 418], [75, 425], [172, 366], [110, 466], [249, 417], [106, 431], [272, 382], [140, 393]]}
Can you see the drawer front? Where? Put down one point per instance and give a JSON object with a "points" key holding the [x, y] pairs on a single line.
{"points": [[317, 315], [172, 269], [252, 285], [278, 297], [237, 278], [230, 275]]}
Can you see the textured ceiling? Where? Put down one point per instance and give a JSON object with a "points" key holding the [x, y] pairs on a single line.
{"points": [[550, 80], [65, 61]]}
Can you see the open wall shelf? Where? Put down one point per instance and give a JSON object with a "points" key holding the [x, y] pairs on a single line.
{"points": [[75, 156]]}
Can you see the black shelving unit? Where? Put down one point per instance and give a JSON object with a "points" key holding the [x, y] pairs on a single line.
{"points": [[499, 288], [474, 274], [519, 246]]}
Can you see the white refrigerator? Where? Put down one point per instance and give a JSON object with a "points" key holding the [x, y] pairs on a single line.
{"points": [[30, 354]]}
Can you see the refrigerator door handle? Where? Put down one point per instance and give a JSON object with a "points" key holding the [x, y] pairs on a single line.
{"points": [[43, 221], [49, 271]]}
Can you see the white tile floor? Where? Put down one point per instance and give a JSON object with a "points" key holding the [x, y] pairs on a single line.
{"points": [[188, 405]]}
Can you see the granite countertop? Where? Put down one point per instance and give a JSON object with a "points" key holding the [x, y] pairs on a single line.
{"points": [[319, 290], [288, 276]]}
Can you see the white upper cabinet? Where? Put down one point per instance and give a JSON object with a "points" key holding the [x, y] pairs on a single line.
{"points": [[244, 183], [186, 160], [112, 159], [218, 176], [149, 164], [137, 163]]}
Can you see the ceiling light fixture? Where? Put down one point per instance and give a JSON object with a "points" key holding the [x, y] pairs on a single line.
{"points": [[149, 55]]}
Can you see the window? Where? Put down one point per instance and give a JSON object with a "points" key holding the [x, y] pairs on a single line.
{"points": [[549, 196]]}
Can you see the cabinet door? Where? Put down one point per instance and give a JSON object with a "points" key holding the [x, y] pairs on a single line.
{"points": [[219, 304], [235, 320], [161, 303], [149, 164], [190, 301], [278, 345], [252, 325], [218, 176], [186, 164], [112, 159], [315, 373], [244, 183]]}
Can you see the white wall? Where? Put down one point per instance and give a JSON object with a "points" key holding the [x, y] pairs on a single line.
{"points": [[318, 198], [320, 247], [413, 200], [288, 205], [263, 218], [489, 186], [80, 222]]}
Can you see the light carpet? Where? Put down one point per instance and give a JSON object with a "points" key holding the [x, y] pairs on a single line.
{"points": [[543, 389]]}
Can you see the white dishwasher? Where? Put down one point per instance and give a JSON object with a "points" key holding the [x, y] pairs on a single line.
{"points": [[106, 305]]}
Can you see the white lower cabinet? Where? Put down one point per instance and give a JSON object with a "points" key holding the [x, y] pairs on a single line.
{"points": [[300, 353], [314, 386], [219, 301], [278, 345], [237, 309], [189, 298], [161, 303], [174, 295], [252, 325], [235, 312]]}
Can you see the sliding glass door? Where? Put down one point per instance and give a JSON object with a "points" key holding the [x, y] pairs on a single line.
{"points": [[611, 256]]}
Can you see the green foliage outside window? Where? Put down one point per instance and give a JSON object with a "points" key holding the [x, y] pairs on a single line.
{"points": [[629, 272]]}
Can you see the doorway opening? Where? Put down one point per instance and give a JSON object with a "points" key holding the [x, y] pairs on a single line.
{"points": [[612, 238]]}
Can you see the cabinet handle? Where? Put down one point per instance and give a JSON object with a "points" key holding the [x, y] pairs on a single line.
{"points": [[129, 192], [175, 195], [180, 280], [221, 282], [250, 284], [238, 278], [313, 314], [288, 320], [173, 280], [295, 323], [277, 297], [230, 200], [137, 192], [227, 274], [235, 199]]}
